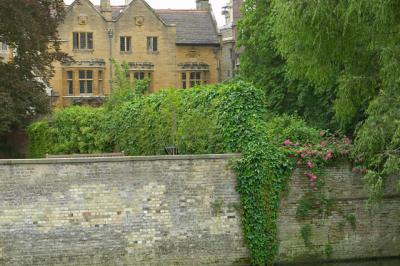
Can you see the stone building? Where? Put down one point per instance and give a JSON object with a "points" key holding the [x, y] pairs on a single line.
{"points": [[174, 48], [230, 54]]}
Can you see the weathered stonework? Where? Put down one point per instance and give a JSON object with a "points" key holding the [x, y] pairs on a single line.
{"points": [[120, 211], [172, 210], [376, 232]]}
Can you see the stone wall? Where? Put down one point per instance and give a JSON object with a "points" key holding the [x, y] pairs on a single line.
{"points": [[350, 231], [179, 210], [173, 210]]}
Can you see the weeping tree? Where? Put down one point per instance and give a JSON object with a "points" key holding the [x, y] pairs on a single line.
{"points": [[354, 44], [263, 65], [29, 28]]}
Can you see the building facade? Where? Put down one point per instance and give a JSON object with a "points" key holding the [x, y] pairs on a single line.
{"points": [[230, 53], [173, 48]]}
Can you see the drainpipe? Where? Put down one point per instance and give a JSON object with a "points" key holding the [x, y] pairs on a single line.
{"points": [[110, 37]]}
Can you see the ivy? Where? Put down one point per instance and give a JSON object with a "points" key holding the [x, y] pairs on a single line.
{"points": [[211, 119]]}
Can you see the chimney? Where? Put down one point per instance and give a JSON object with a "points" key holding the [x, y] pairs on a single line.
{"points": [[105, 9], [203, 5]]}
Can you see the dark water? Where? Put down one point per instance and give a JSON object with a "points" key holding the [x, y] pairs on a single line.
{"points": [[381, 262]]}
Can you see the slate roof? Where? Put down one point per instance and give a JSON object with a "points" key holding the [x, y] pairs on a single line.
{"points": [[192, 26]]}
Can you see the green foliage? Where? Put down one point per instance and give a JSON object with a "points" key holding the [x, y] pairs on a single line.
{"points": [[125, 89], [40, 139], [281, 128], [351, 218], [353, 44], [22, 93], [261, 64], [211, 119], [72, 130], [328, 250], [306, 233]]}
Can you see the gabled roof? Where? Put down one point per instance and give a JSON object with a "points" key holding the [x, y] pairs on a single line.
{"points": [[192, 26]]}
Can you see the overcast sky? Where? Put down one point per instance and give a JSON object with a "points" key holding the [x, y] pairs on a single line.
{"points": [[174, 4]]}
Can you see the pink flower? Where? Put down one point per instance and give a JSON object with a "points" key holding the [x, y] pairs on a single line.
{"points": [[328, 155], [310, 165], [346, 140], [322, 133], [312, 177], [322, 144], [287, 142]]}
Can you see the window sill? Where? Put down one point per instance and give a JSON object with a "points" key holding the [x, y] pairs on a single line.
{"points": [[153, 53], [128, 53], [84, 96], [83, 50]]}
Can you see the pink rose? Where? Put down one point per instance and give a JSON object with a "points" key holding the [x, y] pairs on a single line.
{"points": [[310, 165], [287, 142]]}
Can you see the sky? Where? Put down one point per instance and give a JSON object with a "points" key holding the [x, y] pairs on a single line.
{"points": [[174, 4]]}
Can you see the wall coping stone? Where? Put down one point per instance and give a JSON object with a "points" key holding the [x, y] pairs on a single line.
{"points": [[119, 159]]}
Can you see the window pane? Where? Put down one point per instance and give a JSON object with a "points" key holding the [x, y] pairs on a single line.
{"points": [[90, 40], [192, 75], [89, 74], [75, 40], [149, 44], [184, 76], [122, 44], [89, 85], [82, 74], [128, 44], [69, 75], [198, 75], [155, 44], [82, 40], [82, 86], [70, 87]]}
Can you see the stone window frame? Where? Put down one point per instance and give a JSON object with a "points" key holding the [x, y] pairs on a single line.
{"points": [[85, 80], [82, 41], [125, 41], [152, 44], [193, 78], [70, 82]]}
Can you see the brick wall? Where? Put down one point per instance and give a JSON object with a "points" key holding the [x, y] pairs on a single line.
{"points": [[171, 210], [376, 232], [120, 211]]}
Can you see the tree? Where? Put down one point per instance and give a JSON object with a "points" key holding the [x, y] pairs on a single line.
{"points": [[261, 64], [354, 44], [29, 28]]}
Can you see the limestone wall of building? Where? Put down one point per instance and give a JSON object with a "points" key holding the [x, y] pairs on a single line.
{"points": [[137, 21]]}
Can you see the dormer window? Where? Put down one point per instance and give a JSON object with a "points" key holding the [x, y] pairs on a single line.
{"points": [[83, 40]]}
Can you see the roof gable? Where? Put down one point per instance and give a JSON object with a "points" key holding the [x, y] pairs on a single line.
{"points": [[119, 11], [83, 2]]}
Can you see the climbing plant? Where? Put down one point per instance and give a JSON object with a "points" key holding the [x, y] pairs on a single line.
{"points": [[211, 119]]}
